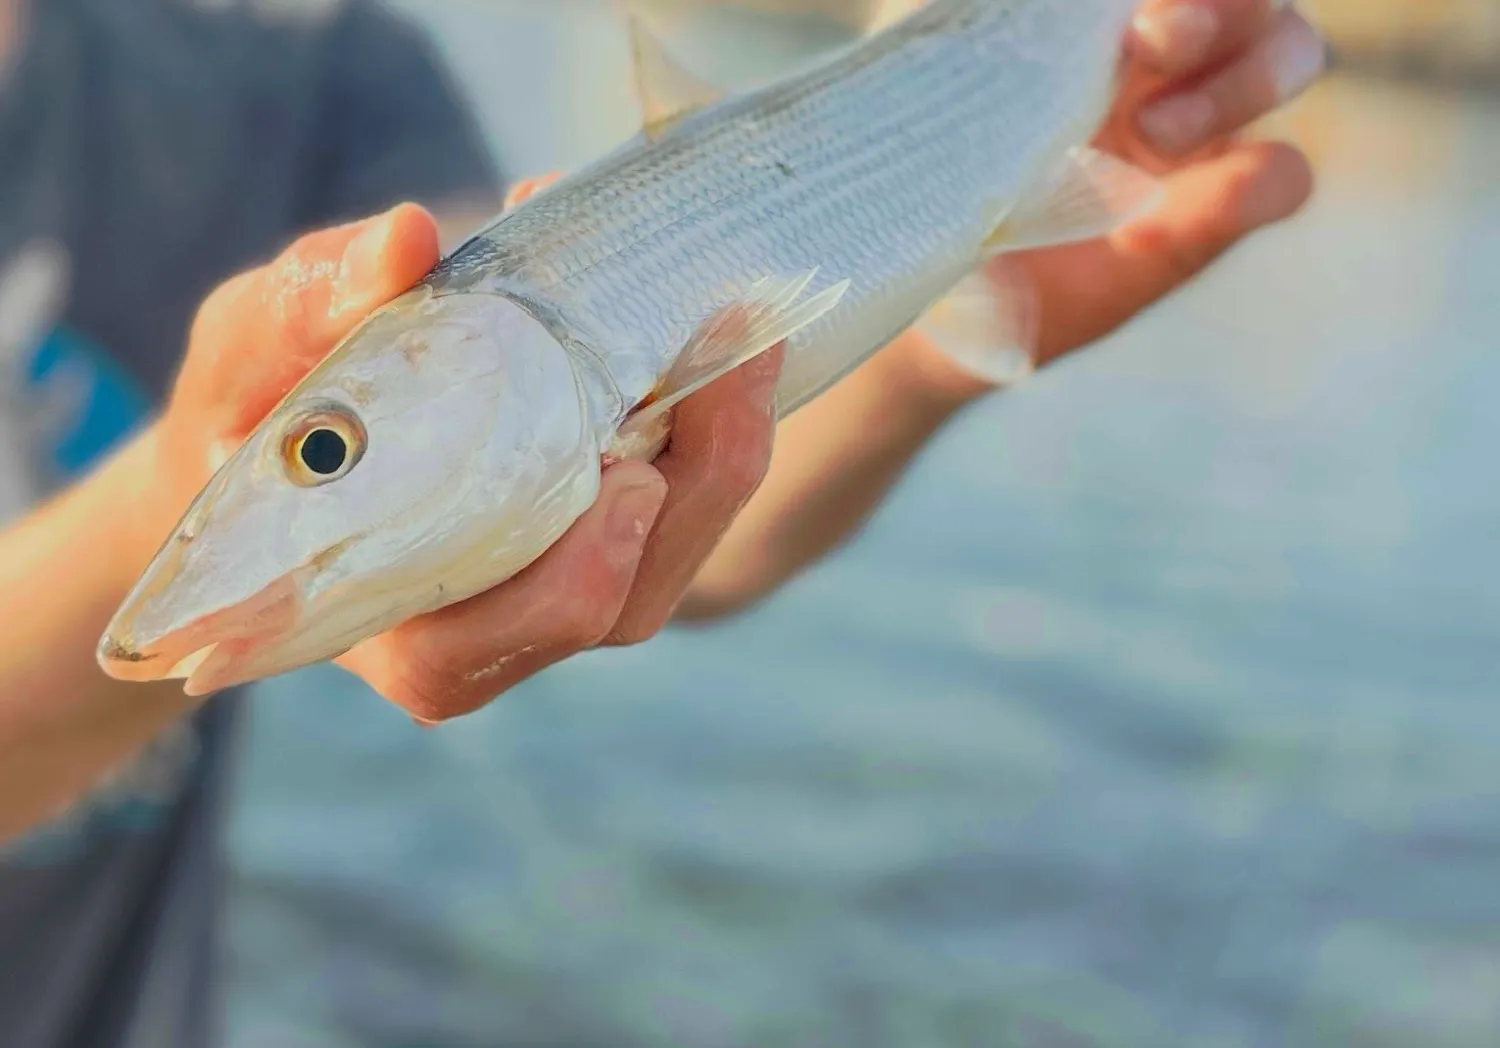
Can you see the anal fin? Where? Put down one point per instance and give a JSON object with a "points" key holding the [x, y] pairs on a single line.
{"points": [[989, 324], [1089, 194]]}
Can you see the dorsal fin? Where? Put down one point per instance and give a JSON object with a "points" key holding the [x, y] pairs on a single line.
{"points": [[668, 92], [737, 44], [886, 13]]}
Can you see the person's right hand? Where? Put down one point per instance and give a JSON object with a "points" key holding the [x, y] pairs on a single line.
{"points": [[1196, 74], [615, 578]]}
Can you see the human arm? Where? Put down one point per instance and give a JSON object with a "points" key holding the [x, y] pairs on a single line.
{"points": [[63, 569], [838, 457]]}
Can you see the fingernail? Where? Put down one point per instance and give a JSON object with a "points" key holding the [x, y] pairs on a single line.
{"points": [[1296, 57], [362, 260], [1178, 36], [1272, 199], [1179, 123], [631, 517]]}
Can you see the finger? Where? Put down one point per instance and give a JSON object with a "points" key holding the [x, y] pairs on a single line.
{"points": [[527, 188], [1280, 66], [718, 455], [257, 335], [1175, 38], [458, 659], [1209, 208]]}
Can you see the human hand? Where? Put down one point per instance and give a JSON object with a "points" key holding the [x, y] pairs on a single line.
{"points": [[615, 578], [1196, 73]]}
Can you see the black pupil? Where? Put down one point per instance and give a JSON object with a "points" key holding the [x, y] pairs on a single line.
{"points": [[323, 451]]}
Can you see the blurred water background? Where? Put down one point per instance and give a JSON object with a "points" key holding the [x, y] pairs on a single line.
{"points": [[1157, 708]]}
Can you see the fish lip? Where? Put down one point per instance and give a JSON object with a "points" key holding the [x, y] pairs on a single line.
{"points": [[111, 651], [266, 615], [156, 660], [124, 658]]}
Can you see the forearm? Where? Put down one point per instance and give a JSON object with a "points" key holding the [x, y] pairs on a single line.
{"points": [[63, 570], [834, 461]]}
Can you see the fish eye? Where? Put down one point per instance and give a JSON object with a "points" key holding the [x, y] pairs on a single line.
{"points": [[323, 451], [322, 446]]}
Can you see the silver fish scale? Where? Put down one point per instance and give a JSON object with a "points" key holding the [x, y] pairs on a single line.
{"points": [[886, 167]]}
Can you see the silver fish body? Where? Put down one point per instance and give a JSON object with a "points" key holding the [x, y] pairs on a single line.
{"points": [[887, 167], [476, 408]]}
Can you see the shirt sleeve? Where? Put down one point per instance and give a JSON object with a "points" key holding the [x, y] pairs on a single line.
{"points": [[391, 124]]}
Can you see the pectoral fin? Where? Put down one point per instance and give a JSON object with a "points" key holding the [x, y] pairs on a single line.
{"points": [[769, 312], [1089, 194]]}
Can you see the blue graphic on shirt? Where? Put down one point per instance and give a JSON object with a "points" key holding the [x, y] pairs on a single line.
{"points": [[113, 404], [80, 405]]}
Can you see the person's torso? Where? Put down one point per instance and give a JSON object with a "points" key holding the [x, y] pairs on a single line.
{"points": [[148, 150]]}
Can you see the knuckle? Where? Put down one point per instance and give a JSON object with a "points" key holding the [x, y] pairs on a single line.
{"points": [[1179, 257], [1149, 239], [296, 287], [222, 298], [1173, 256], [437, 702], [585, 611], [584, 620], [427, 687], [635, 629], [420, 695]]}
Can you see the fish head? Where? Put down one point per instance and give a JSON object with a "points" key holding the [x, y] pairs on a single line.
{"points": [[442, 447]]}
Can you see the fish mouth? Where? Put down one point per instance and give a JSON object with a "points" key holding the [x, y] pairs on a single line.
{"points": [[210, 652]]}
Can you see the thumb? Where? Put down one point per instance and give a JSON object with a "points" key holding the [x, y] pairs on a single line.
{"points": [[260, 333], [1089, 289]]}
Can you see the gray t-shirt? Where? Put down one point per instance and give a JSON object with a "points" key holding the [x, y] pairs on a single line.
{"points": [[157, 147]]}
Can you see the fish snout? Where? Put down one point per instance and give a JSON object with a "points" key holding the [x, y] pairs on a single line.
{"points": [[130, 652], [125, 657]]}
